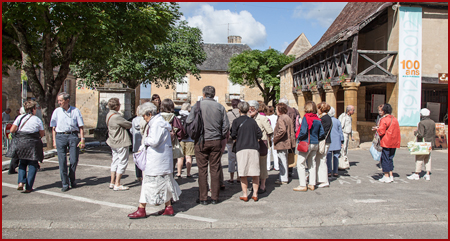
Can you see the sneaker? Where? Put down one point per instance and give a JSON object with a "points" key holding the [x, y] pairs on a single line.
{"points": [[426, 177], [414, 176], [392, 178], [385, 179], [325, 184]]}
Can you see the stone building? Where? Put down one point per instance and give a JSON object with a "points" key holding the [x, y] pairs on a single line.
{"points": [[12, 89], [363, 43], [299, 46], [213, 72]]}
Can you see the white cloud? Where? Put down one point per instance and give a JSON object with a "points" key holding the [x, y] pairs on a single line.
{"points": [[214, 25], [323, 12]]}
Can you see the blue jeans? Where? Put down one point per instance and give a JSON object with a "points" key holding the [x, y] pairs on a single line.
{"points": [[33, 166], [387, 159], [335, 156], [66, 142]]}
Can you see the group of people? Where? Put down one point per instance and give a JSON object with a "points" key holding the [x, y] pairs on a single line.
{"points": [[255, 135]]}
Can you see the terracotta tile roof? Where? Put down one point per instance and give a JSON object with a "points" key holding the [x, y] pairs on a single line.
{"points": [[347, 23]]}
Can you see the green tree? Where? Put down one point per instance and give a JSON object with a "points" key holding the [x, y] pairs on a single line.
{"points": [[164, 64], [259, 68], [53, 35]]}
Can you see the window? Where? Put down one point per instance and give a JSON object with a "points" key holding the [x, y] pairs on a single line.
{"points": [[183, 87]]}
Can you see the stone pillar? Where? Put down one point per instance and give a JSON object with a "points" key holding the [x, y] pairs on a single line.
{"points": [[392, 97], [330, 96], [351, 98], [316, 96], [301, 103]]}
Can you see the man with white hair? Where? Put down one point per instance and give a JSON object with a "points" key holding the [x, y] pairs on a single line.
{"points": [[346, 123], [426, 131], [294, 115]]}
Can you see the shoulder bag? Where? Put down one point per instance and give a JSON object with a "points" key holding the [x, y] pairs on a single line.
{"points": [[323, 142], [303, 146], [376, 139], [140, 158]]}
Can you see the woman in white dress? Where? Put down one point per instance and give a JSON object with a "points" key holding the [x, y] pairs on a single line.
{"points": [[158, 185]]}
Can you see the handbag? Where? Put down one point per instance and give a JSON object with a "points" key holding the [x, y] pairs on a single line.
{"points": [[140, 158], [419, 148], [176, 149], [343, 163], [376, 155], [377, 139], [262, 148], [303, 146], [322, 143]]}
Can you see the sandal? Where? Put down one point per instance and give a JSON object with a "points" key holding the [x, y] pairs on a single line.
{"points": [[230, 181], [120, 188], [111, 186], [189, 176], [20, 187]]}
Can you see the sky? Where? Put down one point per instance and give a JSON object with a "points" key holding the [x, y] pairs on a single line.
{"points": [[260, 24]]}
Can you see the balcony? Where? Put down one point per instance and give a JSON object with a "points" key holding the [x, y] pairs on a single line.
{"points": [[181, 97], [230, 96]]}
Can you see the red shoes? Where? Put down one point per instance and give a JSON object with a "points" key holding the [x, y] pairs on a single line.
{"points": [[255, 198], [245, 199], [140, 213], [168, 211]]}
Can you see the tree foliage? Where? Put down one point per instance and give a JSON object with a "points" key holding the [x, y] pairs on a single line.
{"points": [[53, 35], [256, 68], [162, 64]]}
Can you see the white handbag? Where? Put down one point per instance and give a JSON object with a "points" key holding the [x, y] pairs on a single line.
{"points": [[322, 143], [343, 163]]}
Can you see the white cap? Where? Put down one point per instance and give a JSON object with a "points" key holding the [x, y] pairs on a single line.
{"points": [[425, 112]]}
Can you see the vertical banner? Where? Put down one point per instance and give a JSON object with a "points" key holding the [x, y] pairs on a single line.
{"points": [[410, 65]]}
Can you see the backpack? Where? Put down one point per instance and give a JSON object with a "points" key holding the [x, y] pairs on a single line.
{"points": [[181, 132], [195, 128], [183, 119]]}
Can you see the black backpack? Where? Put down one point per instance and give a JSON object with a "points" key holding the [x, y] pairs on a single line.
{"points": [[195, 128], [183, 119]]}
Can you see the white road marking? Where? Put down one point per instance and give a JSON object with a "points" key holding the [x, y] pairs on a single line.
{"points": [[114, 205], [369, 201]]}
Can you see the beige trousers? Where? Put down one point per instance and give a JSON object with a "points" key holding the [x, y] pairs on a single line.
{"points": [[421, 160]]}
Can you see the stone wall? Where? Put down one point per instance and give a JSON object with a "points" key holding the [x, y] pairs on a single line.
{"points": [[12, 89], [365, 130], [218, 79]]}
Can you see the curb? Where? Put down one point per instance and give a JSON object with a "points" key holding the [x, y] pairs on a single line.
{"points": [[51, 153]]}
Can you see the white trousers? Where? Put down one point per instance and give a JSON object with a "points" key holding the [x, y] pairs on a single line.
{"points": [[321, 164], [344, 150], [283, 159], [310, 159], [119, 159], [272, 156]]}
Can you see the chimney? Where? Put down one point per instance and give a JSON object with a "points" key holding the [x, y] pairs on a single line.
{"points": [[234, 39]]}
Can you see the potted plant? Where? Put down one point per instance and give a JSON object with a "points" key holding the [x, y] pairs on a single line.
{"points": [[296, 89], [326, 82], [313, 85], [343, 78]]}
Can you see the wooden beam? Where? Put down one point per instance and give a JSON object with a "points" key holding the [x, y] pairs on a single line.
{"points": [[377, 64], [376, 78], [354, 63], [376, 52]]}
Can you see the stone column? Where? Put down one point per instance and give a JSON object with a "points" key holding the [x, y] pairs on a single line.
{"points": [[330, 96], [301, 103], [316, 96], [351, 98]]}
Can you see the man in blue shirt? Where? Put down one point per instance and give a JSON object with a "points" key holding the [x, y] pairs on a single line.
{"points": [[67, 123]]}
